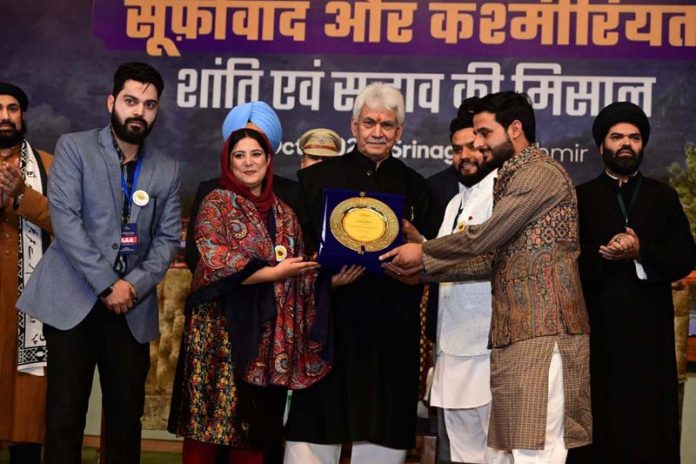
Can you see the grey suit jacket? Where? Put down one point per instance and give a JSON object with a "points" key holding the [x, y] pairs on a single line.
{"points": [[85, 200]]}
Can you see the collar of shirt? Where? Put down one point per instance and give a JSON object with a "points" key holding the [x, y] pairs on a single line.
{"points": [[621, 181]]}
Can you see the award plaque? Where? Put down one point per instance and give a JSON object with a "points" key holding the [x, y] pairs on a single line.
{"points": [[357, 227]]}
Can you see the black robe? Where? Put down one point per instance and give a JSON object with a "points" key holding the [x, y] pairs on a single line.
{"points": [[372, 392], [632, 359]]}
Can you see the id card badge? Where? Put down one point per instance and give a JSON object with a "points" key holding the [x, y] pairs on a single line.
{"points": [[129, 239]]}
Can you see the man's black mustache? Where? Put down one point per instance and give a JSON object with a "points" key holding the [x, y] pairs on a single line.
{"points": [[136, 119], [468, 161], [7, 121], [626, 149]]}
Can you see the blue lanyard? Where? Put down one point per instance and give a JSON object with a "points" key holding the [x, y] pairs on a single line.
{"points": [[124, 184]]}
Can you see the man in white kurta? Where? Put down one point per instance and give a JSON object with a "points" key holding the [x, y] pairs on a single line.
{"points": [[461, 384]]}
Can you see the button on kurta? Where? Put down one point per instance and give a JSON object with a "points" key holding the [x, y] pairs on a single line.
{"points": [[114, 246]]}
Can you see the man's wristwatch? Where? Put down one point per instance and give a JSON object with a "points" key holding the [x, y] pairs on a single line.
{"points": [[107, 291]]}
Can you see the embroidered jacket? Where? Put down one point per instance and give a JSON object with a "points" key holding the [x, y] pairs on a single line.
{"points": [[530, 245]]}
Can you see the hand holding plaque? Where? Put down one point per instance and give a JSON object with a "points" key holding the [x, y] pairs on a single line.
{"points": [[358, 227]]}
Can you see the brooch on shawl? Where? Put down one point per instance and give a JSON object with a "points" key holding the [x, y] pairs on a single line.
{"points": [[280, 253]]}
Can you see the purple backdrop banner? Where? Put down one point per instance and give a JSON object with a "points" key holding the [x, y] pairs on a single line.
{"points": [[562, 28], [309, 60]]}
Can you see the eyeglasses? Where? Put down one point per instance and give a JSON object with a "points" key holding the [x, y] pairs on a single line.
{"points": [[387, 126]]}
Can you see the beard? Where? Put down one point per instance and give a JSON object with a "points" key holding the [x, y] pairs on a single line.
{"points": [[471, 179], [622, 165], [127, 134], [11, 137], [500, 154]]}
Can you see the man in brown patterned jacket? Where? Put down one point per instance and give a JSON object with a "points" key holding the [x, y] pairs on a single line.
{"points": [[540, 356]]}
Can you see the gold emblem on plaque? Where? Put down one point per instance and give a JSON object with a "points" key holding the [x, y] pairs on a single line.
{"points": [[364, 224]]}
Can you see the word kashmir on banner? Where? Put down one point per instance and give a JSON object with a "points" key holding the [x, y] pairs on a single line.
{"points": [[568, 28]]}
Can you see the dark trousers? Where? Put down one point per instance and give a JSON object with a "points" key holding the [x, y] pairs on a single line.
{"points": [[26, 453], [104, 340]]}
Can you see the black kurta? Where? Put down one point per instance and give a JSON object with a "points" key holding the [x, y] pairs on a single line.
{"points": [[372, 392], [633, 367]]}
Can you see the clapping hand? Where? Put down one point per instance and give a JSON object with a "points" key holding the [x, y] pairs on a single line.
{"points": [[11, 181], [622, 246]]}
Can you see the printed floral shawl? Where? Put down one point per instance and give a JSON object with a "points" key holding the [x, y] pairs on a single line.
{"points": [[277, 333]]}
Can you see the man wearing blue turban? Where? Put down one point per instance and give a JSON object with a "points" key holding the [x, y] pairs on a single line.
{"points": [[255, 115]]}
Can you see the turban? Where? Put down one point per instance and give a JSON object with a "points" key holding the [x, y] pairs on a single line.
{"points": [[258, 113], [620, 112], [9, 89]]}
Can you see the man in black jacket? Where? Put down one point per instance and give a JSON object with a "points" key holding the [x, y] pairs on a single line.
{"points": [[370, 396]]}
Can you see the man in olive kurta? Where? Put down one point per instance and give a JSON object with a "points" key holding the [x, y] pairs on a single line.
{"points": [[635, 241], [24, 218], [371, 395]]}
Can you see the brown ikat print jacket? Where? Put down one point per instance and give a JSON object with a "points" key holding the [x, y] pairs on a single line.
{"points": [[528, 247]]}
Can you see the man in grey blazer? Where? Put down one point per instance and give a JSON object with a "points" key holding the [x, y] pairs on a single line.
{"points": [[116, 218]]}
